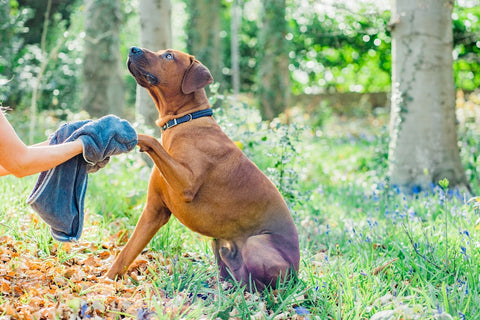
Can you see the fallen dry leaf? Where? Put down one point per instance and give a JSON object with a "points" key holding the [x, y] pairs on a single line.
{"points": [[36, 286]]}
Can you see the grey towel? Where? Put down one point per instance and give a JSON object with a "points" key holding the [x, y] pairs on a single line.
{"points": [[59, 194]]}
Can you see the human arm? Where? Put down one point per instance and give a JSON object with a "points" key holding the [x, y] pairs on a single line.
{"points": [[20, 160]]}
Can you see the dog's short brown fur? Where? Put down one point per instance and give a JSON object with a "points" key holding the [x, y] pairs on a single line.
{"points": [[206, 182]]}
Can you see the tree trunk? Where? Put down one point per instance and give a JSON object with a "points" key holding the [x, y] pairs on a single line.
{"points": [[423, 147], [155, 34], [204, 41], [102, 64], [274, 77], [236, 19]]}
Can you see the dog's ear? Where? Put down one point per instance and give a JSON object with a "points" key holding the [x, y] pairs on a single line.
{"points": [[196, 77]]}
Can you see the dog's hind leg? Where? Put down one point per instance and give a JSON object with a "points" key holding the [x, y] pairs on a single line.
{"points": [[261, 261], [222, 265], [270, 259], [230, 261]]}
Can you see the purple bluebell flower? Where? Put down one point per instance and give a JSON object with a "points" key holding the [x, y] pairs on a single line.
{"points": [[416, 189], [83, 309], [301, 311], [145, 314]]}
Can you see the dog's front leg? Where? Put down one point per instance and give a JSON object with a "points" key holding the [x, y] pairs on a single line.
{"points": [[183, 177], [154, 216]]}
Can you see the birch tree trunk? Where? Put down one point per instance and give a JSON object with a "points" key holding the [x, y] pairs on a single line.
{"points": [[274, 76], [102, 64], [236, 20], [423, 148], [203, 30], [155, 34]]}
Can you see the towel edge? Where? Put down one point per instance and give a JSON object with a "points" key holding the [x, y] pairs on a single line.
{"points": [[36, 193]]}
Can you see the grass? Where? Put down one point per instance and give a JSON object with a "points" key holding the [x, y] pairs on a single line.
{"points": [[366, 249]]}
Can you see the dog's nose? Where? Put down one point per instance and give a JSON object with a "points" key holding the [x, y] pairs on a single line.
{"points": [[135, 51]]}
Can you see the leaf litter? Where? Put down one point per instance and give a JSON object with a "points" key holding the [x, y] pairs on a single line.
{"points": [[66, 281], [70, 284]]}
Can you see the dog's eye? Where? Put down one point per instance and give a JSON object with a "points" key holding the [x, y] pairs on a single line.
{"points": [[168, 56]]}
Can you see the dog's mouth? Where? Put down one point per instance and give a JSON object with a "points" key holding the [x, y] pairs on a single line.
{"points": [[143, 78]]}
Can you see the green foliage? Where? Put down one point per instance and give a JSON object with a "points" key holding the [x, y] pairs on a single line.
{"points": [[332, 47], [12, 26], [469, 137], [466, 30], [60, 84], [336, 48]]}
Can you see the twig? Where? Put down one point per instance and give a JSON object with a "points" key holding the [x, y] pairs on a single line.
{"points": [[418, 252], [377, 270]]}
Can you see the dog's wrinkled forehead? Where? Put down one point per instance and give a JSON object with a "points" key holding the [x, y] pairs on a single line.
{"points": [[174, 57]]}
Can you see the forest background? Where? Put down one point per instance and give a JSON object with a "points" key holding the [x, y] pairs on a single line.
{"points": [[369, 251], [333, 49]]}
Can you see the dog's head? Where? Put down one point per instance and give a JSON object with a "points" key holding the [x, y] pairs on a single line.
{"points": [[170, 71]]}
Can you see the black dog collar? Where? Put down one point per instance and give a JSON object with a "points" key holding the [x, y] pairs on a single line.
{"points": [[186, 118]]}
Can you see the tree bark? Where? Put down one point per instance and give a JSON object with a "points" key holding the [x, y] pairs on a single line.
{"points": [[423, 147], [236, 19], [274, 76], [155, 34], [204, 41], [102, 64]]}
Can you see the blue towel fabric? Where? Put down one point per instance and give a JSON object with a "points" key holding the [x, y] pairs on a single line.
{"points": [[59, 194]]}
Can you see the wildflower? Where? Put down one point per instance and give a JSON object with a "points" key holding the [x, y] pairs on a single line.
{"points": [[144, 313], [301, 311], [439, 309], [416, 189], [411, 213], [464, 252], [83, 309]]}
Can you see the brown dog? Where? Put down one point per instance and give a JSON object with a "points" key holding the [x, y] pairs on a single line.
{"points": [[206, 181]]}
